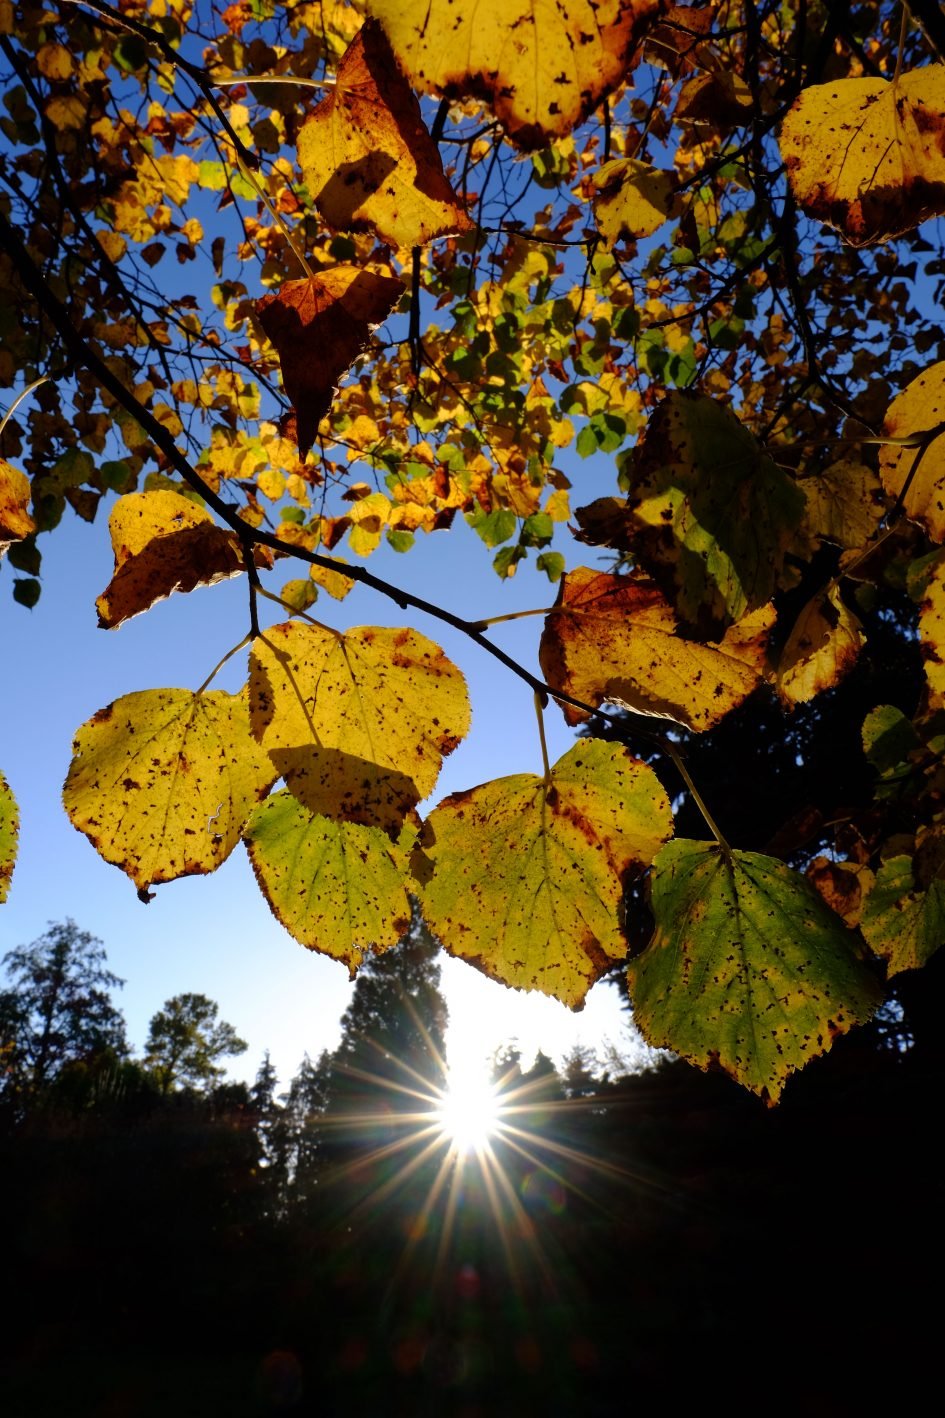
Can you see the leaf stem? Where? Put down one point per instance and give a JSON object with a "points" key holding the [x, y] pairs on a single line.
{"points": [[217, 668], [277, 216], [540, 701], [286, 606], [903, 29], [678, 760], [43, 379], [512, 615], [251, 82]]}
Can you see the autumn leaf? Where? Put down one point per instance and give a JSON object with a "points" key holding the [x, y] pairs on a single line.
{"points": [[163, 780], [367, 158], [842, 885], [525, 880], [633, 199], [15, 520], [932, 632], [164, 543], [319, 326], [541, 65], [903, 920], [919, 408], [713, 514], [844, 503], [357, 724], [9, 831], [866, 155], [822, 647], [615, 640], [337, 887], [748, 969]]}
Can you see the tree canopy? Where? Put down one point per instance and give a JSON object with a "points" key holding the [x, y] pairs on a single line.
{"points": [[288, 281]]}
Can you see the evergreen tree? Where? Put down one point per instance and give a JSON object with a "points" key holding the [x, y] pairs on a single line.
{"points": [[185, 1041], [57, 1010], [300, 1133]]}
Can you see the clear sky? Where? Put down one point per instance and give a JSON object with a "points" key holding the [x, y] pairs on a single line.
{"points": [[216, 935]]}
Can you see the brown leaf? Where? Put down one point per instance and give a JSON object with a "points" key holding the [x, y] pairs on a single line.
{"points": [[367, 158], [319, 326]]}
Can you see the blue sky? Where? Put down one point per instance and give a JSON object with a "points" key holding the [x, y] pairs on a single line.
{"points": [[215, 934]]}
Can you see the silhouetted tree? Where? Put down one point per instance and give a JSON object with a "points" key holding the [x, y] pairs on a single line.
{"points": [[185, 1041]]}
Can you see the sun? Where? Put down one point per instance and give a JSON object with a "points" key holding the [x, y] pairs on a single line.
{"points": [[469, 1111]]}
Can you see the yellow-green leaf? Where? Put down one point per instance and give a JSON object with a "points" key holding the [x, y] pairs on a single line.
{"points": [[903, 921], [9, 831], [920, 407], [542, 65], [162, 781], [714, 514], [615, 640], [367, 158], [844, 503], [866, 155], [932, 632], [822, 647], [526, 879], [748, 969], [357, 724], [337, 887], [633, 199], [15, 520]]}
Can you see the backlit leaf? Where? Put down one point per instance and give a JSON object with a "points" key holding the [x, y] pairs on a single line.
{"points": [[844, 503], [866, 155], [319, 327], [615, 640], [748, 969], [932, 632], [162, 781], [15, 520], [337, 887], [903, 922], [164, 543], [367, 158], [822, 647], [357, 724], [526, 881], [920, 406], [713, 513], [633, 199], [9, 831], [541, 65]]}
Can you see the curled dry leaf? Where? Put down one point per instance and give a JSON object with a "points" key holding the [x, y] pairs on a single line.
{"points": [[525, 879], [164, 543], [919, 408], [541, 65], [713, 514], [748, 969], [842, 885], [367, 158], [867, 156], [822, 647], [15, 520], [337, 887], [357, 724], [319, 326], [616, 640], [9, 831], [162, 781]]}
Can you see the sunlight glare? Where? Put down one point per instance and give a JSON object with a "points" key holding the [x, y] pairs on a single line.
{"points": [[469, 1111]]}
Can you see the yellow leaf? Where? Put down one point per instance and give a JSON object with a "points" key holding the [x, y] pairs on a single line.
{"points": [[334, 582], [68, 111], [9, 831], [633, 199], [337, 887], [162, 543], [844, 503], [866, 155], [54, 61], [932, 633], [542, 65], [920, 406], [15, 521], [357, 724], [616, 640], [367, 158], [822, 647], [162, 781], [526, 879]]}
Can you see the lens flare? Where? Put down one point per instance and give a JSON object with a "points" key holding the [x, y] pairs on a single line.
{"points": [[469, 1112]]}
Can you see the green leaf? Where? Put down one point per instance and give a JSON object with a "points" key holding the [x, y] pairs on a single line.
{"points": [[714, 516], [904, 925], [526, 880], [162, 781], [748, 969], [9, 830], [337, 887], [25, 556], [26, 592], [552, 563], [888, 739], [496, 527]]}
